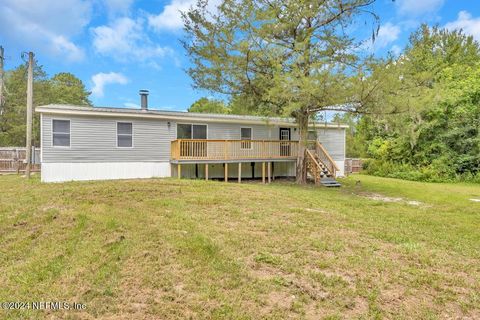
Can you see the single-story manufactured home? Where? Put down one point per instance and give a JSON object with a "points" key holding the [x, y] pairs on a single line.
{"points": [[93, 143]]}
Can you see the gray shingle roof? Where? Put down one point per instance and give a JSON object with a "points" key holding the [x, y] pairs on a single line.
{"points": [[175, 114]]}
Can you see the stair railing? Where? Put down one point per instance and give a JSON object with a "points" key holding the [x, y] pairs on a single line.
{"points": [[326, 160], [313, 165]]}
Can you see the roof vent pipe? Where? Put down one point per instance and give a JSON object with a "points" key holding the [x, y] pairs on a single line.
{"points": [[144, 99]]}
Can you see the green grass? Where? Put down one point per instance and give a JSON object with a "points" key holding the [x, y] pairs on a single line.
{"points": [[165, 249]]}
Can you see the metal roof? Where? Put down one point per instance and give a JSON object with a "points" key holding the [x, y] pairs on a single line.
{"points": [[173, 115]]}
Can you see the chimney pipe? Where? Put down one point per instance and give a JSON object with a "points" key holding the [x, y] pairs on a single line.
{"points": [[144, 99]]}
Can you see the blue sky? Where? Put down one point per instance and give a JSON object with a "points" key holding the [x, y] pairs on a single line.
{"points": [[120, 46]]}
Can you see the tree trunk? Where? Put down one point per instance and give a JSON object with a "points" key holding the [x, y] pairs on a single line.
{"points": [[302, 121]]}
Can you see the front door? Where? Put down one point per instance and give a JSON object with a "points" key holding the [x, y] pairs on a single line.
{"points": [[285, 146]]}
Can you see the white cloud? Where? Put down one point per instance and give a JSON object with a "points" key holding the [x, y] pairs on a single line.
{"points": [[100, 80], [125, 40], [396, 50], [46, 26], [170, 18], [62, 45], [418, 7], [467, 23], [118, 7], [387, 34]]}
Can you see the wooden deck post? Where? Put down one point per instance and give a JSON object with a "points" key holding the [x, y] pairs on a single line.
{"points": [[206, 171], [263, 172], [179, 171], [226, 172], [269, 172], [239, 172]]}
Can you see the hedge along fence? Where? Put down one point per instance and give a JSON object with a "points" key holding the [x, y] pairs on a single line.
{"points": [[12, 159]]}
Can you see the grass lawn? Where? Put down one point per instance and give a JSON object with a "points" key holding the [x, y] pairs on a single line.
{"points": [[166, 249]]}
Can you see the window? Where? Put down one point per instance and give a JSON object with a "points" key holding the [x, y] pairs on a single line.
{"points": [[246, 134], [61, 133], [124, 134], [199, 131], [191, 131], [312, 135], [284, 133], [184, 131]]}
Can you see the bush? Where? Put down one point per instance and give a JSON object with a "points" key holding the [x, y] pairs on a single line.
{"points": [[438, 171]]}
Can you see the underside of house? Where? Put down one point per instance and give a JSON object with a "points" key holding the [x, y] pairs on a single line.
{"points": [[90, 143]]}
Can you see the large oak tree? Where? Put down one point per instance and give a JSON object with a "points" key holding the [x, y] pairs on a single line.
{"points": [[297, 57]]}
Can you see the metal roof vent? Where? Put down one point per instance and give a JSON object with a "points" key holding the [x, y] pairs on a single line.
{"points": [[144, 99]]}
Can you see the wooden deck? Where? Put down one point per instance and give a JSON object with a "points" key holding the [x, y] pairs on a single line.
{"points": [[191, 151], [183, 150]]}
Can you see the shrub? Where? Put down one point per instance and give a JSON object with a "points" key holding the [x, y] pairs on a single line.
{"points": [[437, 171]]}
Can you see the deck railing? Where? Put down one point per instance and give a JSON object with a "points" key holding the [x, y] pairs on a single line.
{"points": [[325, 157], [192, 149]]}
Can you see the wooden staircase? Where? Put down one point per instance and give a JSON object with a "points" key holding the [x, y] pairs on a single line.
{"points": [[320, 166]]}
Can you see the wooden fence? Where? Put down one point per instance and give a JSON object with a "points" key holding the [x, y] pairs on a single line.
{"points": [[353, 165], [12, 159]]}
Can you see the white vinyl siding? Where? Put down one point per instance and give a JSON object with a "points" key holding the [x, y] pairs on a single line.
{"points": [[94, 139], [232, 131], [334, 141]]}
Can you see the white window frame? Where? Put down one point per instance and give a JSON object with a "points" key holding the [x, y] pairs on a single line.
{"points": [[242, 140], [122, 134], [191, 124], [69, 133]]}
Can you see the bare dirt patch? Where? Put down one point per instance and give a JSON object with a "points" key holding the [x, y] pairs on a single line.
{"points": [[296, 282], [280, 299], [382, 198]]}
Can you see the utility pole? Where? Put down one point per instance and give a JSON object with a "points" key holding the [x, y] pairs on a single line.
{"points": [[29, 113], [2, 100]]}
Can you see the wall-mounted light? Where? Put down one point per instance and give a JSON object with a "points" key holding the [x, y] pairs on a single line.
{"points": [[169, 124]]}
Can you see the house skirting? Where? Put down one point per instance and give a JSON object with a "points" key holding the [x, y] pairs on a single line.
{"points": [[341, 166], [59, 172]]}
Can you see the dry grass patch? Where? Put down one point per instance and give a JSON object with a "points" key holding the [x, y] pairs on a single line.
{"points": [[168, 249]]}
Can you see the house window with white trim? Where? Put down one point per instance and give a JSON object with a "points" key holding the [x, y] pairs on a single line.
{"points": [[61, 133], [246, 137], [124, 134]]}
